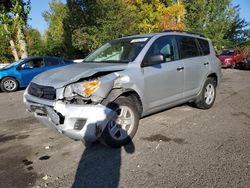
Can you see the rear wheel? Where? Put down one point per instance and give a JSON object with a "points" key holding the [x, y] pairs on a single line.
{"points": [[121, 130], [233, 65], [207, 96], [9, 84]]}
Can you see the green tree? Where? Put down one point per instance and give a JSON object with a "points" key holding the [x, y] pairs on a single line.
{"points": [[217, 19], [54, 35], [238, 33], [5, 51], [35, 43], [13, 17], [90, 23]]}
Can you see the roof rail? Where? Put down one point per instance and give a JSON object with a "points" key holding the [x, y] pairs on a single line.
{"points": [[183, 31]]}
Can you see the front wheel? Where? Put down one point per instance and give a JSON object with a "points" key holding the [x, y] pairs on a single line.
{"points": [[206, 98], [121, 130], [233, 65], [9, 84]]}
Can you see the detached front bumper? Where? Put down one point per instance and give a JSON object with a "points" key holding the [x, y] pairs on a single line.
{"points": [[78, 122]]}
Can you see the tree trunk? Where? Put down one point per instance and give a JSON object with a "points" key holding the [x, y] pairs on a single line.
{"points": [[12, 44], [20, 38], [13, 49], [22, 43], [178, 17]]}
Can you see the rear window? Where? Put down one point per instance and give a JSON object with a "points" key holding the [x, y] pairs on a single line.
{"points": [[188, 47], [204, 46], [227, 52]]}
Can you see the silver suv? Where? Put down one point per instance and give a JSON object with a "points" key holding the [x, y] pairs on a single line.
{"points": [[104, 97]]}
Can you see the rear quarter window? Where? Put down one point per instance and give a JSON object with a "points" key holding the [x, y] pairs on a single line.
{"points": [[187, 47], [204, 46]]}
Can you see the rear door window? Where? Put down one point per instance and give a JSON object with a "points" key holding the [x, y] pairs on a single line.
{"points": [[187, 47], [52, 61], [204, 46]]}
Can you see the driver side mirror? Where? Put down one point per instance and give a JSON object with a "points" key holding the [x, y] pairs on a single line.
{"points": [[153, 60]]}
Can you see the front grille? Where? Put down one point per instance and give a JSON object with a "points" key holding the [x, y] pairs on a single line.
{"points": [[43, 92]]}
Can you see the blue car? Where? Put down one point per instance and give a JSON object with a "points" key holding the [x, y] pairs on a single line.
{"points": [[20, 73]]}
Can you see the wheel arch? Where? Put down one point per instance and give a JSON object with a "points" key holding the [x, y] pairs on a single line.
{"points": [[10, 77], [115, 93], [214, 76]]}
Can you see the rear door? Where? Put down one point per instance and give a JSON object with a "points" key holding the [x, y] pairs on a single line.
{"points": [[195, 61], [29, 69], [163, 83]]}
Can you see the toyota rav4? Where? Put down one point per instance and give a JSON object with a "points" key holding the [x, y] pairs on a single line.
{"points": [[104, 97]]}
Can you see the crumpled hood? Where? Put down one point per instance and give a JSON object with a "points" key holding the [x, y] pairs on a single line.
{"points": [[62, 76]]}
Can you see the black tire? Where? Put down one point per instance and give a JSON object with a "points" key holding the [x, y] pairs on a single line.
{"points": [[240, 65], [11, 87], [202, 102], [106, 137], [233, 65]]}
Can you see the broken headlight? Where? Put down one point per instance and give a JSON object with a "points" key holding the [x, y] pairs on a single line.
{"points": [[85, 89]]}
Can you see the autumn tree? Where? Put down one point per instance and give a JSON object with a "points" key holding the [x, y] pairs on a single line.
{"points": [[172, 17], [156, 15]]}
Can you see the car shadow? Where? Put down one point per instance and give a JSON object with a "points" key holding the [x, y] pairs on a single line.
{"points": [[243, 68], [100, 166], [19, 89]]}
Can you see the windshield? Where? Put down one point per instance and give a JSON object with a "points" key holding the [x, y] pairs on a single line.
{"points": [[118, 51], [227, 52], [12, 64]]}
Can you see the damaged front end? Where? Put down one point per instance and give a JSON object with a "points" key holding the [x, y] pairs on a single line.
{"points": [[76, 109]]}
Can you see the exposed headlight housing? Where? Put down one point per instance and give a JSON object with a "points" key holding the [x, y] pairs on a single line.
{"points": [[85, 89]]}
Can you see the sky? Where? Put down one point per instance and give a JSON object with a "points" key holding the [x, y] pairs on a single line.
{"points": [[39, 6], [36, 19]]}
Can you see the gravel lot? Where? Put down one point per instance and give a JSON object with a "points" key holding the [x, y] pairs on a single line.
{"points": [[179, 147]]}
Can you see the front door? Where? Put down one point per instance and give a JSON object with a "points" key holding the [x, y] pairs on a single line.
{"points": [[163, 83], [29, 69]]}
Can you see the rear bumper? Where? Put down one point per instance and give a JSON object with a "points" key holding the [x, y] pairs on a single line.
{"points": [[78, 122]]}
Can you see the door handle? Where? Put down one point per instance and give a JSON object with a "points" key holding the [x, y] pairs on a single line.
{"points": [[206, 63], [180, 68]]}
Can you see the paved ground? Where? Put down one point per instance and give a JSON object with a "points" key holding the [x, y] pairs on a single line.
{"points": [[180, 147]]}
